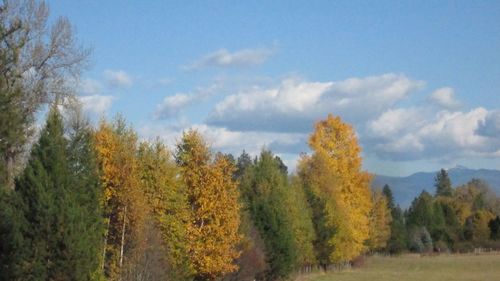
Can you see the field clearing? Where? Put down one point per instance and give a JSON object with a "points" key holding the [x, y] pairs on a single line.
{"points": [[484, 267]]}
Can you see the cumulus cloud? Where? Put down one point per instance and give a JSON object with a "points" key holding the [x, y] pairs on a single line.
{"points": [[287, 145], [445, 97], [280, 117], [294, 105], [419, 133], [96, 103], [490, 126], [118, 78], [225, 58]]}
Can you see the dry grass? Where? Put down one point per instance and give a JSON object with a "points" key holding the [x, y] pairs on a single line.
{"points": [[483, 267]]}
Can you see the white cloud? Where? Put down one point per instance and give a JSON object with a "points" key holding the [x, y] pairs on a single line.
{"points": [[490, 126], [96, 103], [225, 58], [234, 142], [118, 78], [418, 133], [90, 87], [294, 105], [172, 105], [445, 97], [280, 117]]}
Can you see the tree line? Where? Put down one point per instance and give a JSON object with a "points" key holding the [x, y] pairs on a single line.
{"points": [[452, 220], [84, 202]]}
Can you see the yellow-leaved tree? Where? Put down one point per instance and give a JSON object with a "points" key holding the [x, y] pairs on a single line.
{"points": [[338, 191], [167, 200], [125, 204], [380, 222], [213, 198]]}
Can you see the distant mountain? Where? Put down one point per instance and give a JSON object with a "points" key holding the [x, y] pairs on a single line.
{"points": [[405, 189]]}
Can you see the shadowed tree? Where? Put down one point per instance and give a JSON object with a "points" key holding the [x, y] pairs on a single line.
{"points": [[442, 183]]}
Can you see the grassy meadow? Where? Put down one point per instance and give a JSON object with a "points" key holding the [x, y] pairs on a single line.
{"points": [[483, 267]]}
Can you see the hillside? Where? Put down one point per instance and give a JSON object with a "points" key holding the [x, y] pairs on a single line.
{"points": [[407, 188]]}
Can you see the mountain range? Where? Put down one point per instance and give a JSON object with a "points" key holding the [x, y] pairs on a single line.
{"points": [[405, 189]]}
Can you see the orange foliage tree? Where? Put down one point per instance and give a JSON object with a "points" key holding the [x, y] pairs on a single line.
{"points": [[213, 197]]}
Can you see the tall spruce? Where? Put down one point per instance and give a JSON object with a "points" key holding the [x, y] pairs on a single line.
{"points": [[263, 189], [88, 231], [58, 204], [442, 183]]}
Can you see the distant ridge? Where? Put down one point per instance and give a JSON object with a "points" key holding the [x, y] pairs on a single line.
{"points": [[407, 188]]}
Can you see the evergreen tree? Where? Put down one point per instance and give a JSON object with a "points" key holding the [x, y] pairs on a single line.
{"points": [[14, 248], [44, 191], [424, 211], [58, 218], [494, 226], [386, 190], [263, 187], [86, 190], [442, 183], [398, 240], [242, 163]]}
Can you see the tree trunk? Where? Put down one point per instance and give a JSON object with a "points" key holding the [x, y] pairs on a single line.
{"points": [[105, 244], [123, 236]]}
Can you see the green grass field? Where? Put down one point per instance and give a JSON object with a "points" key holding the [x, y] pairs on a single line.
{"points": [[484, 267]]}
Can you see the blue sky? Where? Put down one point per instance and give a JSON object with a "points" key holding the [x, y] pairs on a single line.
{"points": [[420, 82]]}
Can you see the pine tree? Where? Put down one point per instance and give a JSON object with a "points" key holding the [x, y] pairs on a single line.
{"points": [[242, 163], [44, 190], [386, 190], [86, 190], [398, 242], [264, 191], [494, 226], [443, 184], [57, 207], [213, 197]]}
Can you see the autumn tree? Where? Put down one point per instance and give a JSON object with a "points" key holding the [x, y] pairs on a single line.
{"points": [[167, 198], [339, 189], [125, 203], [214, 208], [301, 221], [476, 228], [380, 222]]}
